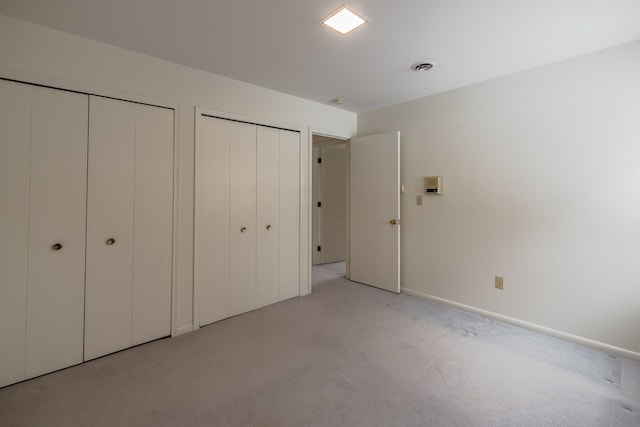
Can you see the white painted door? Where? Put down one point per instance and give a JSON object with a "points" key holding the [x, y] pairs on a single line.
{"points": [[375, 211], [15, 147], [242, 208], [129, 225], [153, 224], [268, 216], [212, 237], [289, 214], [110, 211], [247, 222], [55, 307]]}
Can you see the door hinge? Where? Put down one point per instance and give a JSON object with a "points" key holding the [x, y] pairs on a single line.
{"points": [[319, 159], [319, 248], [319, 204]]}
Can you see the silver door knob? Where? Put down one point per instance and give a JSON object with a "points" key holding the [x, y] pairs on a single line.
{"points": [[243, 230], [56, 246], [269, 227], [110, 242]]}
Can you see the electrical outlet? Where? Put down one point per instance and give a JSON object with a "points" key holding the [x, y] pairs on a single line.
{"points": [[499, 283], [419, 200]]}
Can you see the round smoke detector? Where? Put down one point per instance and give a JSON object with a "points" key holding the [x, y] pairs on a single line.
{"points": [[422, 66]]}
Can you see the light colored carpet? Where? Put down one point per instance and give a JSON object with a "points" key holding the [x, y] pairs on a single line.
{"points": [[347, 355]]}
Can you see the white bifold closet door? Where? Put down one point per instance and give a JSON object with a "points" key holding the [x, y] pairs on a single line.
{"points": [[289, 215], [129, 225], [43, 166], [248, 219], [242, 218], [268, 209]]}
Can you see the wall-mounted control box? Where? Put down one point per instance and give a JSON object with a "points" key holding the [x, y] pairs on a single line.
{"points": [[433, 185]]}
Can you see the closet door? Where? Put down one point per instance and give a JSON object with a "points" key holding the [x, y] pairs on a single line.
{"points": [[289, 214], [242, 208], [15, 144], [55, 307], [129, 225], [153, 224], [212, 220], [268, 216], [110, 212]]}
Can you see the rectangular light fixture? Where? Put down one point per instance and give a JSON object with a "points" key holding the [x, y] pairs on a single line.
{"points": [[344, 20]]}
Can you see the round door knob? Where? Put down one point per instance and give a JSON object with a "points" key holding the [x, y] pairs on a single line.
{"points": [[269, 227], [57, 246], [393, 222], [110, 242], [243, 230]]}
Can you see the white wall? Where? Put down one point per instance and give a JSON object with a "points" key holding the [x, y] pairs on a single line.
{"points": [[542, 187], [38, 54]]}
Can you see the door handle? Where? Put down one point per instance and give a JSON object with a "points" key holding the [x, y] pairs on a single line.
{"points": [[394, 222], [243, 230], [269, 227], [110, 242], [56, 246]]}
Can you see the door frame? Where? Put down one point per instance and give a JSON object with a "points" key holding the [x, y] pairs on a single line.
{"points": [[307, 248]]}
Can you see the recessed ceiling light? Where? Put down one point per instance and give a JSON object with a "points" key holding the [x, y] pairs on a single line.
{"points": [[344, 20]]}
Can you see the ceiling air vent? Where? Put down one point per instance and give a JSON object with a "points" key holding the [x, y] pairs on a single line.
{"points": [[422, 66]]}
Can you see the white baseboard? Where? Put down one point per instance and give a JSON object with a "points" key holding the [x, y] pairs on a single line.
{"points": [[532, 326], [183, 330]]}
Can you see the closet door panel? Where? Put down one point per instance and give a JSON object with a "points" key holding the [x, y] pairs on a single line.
{"points": [[212, 233], [268, 216], [109, 276], [242, 272], [15, 144], [55, 307], [153, 224], [289, 214]]}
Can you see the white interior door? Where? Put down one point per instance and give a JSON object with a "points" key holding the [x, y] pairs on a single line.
{"points": [[15, 148], [375, 211], [268, 222], [55, 300], [242, 202], [289, 214], [153, 224], [110, 213]]}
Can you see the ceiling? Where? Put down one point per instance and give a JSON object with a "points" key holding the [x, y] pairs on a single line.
{"points": [[279, 44]]}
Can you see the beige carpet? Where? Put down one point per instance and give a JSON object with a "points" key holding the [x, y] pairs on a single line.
{"points": [[347, 355]]}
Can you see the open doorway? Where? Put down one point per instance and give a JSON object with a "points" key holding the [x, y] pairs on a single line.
{"points": [[329, 208]]}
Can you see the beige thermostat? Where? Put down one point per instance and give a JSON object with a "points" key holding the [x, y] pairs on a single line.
{"points": [[433, 185]]}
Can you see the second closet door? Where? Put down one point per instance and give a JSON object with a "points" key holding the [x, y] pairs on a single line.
{"points": [[110, 207], [129, 225], [268, 224]]}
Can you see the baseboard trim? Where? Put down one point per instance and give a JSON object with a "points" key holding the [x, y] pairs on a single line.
{"points": [[532, 326], [183, 330]]}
